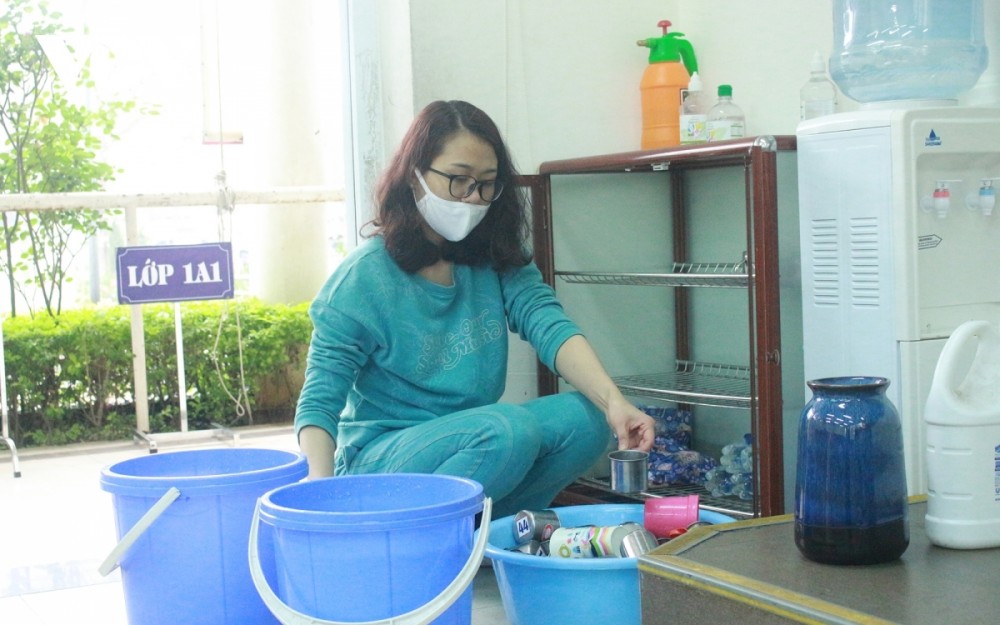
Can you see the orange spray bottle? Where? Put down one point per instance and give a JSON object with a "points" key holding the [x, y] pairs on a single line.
{"points": [[671, 63]]}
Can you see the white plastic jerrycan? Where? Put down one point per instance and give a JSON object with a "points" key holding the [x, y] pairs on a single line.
{"points": [[963, 440]]}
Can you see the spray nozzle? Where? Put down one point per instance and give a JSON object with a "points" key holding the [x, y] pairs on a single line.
{"points": [[670, 48]]}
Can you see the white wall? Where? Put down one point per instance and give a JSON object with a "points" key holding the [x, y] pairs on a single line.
{"points": [[302, 148], [561, 77]]}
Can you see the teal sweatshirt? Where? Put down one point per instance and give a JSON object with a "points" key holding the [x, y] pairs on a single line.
{"points": [[390, 349]]}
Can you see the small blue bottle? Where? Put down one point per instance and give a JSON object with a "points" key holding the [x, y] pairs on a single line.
{"points": [[850, 485]]}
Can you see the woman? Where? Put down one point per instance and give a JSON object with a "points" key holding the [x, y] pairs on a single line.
{"points": [[409, 350]]}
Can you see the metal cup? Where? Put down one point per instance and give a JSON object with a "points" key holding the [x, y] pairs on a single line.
{"points": [[534, 525], [532, 548], [629, 470], [638, 542]]}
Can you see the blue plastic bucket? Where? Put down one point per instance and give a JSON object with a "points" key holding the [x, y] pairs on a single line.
{"points": [[188, 561], [359, 548], [539, 590]]}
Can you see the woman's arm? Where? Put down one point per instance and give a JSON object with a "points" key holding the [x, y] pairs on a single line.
{"points": [[577, 363], [534, 312], [337, 352], [319, 449]]}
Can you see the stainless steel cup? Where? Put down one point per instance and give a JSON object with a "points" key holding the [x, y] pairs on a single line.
{"points": [[629, 470], [534, 525], [638, 542], [532, 548]]}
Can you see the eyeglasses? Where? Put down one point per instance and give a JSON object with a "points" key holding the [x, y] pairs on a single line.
{"points": [[461, 187]]}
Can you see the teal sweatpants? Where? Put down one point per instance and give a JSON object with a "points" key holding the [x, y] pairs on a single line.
{"points": [[523, 455]]}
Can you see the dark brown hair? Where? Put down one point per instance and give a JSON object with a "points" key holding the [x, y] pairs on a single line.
{"points": [[499, 240]]}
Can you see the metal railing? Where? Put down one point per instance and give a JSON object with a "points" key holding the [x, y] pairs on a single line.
{"points": [[130, 203]]}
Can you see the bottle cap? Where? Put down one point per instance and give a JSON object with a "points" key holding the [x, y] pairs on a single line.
{"points": [[725, 90], [818, 63], [694, 84]]}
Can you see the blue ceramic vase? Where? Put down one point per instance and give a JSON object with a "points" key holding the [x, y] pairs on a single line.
{"points": [[850, 485]]}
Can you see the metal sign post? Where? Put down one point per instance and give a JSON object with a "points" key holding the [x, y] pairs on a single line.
{"points": [[181, 382], [7, 440]]}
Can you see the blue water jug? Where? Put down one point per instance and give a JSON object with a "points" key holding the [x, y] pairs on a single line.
{"points": [[907, 49]]}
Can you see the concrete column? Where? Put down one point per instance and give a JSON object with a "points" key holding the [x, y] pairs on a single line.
{"points": [[303, 137]]}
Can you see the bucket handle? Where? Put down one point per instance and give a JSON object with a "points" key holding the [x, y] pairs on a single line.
{"points": [[114, 558], [419, 616]]}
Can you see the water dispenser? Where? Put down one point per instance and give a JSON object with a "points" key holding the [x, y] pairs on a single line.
{"points": [[899, 245]]}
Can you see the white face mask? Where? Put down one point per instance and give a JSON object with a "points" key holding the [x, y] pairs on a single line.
{"points": [[451, 219]]}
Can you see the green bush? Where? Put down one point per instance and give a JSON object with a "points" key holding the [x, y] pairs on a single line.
{"points": [[70, 378]]}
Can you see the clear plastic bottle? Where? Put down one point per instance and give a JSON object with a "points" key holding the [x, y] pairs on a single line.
{"points": [[818, 97], [725, 120], [694, 113]]}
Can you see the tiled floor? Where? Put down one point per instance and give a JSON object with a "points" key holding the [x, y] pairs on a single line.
{"points": [[57, 526]]}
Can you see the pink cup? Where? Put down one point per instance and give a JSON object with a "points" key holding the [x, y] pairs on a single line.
{"points": [[663, 515]]}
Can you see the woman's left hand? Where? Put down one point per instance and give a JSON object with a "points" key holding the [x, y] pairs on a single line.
{"points": [[634, 428]]}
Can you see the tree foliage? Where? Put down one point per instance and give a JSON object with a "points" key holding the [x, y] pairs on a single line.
{"points": [[51, 145]]}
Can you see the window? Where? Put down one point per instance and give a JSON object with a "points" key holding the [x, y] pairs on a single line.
{"points": [[253, 90]]}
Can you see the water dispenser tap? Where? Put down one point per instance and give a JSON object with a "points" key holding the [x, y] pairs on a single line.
{"points": [[984, 199], [938, 202]]}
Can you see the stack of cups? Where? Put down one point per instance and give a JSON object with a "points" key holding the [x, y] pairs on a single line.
{"points": [[628, 540]]}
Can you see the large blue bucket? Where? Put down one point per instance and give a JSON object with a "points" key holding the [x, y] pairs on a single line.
{"points": [[183, 520], [363, 548]]}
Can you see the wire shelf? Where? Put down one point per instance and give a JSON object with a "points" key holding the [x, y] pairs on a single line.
{"points": [[724, 386], [732, 506], [731, 275]]}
